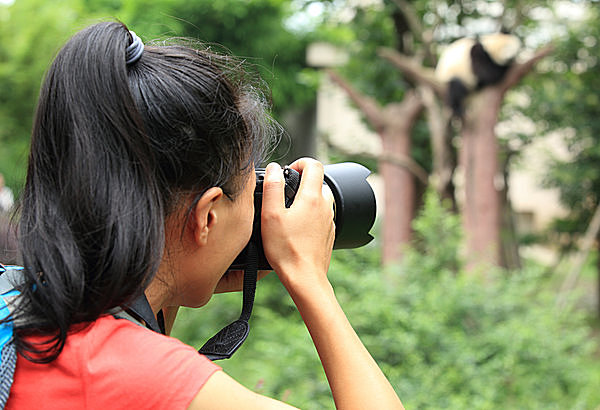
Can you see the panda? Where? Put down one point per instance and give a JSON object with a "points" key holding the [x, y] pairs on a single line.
{"points": [[469, 64]]}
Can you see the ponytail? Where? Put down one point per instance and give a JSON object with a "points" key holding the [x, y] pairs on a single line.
{"points": [[91, 230]]}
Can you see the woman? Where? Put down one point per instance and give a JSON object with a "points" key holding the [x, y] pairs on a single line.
{"points": [[141, 179]]}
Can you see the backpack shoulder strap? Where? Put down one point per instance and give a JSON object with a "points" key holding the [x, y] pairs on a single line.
{"points": [[8, 352], [139, 312], [123, 314]]}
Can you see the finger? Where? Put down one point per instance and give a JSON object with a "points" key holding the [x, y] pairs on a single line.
{"points": [[273, 188], [300, 163], [312, 175], [327, 193]]}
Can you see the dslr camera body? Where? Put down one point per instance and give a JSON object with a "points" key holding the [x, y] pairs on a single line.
{"points": [[354, 207]]}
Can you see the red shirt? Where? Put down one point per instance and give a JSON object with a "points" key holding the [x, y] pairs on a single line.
{"points": [[113, 363]]}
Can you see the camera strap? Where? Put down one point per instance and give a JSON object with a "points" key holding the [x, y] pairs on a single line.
{"points": [[224, 344], [141, 311]]}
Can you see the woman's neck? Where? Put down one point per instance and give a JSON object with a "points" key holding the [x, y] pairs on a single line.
{"points": [[158, 294]]}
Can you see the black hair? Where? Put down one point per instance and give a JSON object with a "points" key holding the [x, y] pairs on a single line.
{"points": [[114, 148]]}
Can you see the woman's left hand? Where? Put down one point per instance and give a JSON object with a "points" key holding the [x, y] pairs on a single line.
{"points": [[233, 281]]}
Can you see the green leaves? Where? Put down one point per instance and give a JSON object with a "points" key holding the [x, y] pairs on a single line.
{"points": [[567, 102], [257, 31], [30, 34]]}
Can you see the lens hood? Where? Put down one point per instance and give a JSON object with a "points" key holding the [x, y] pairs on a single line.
{"points": [[355, 205]]}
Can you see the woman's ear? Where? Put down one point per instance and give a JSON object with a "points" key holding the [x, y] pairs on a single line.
{"points": [[204, 215]]}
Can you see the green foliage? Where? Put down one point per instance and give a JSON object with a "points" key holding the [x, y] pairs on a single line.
{"points": [[444, 337], [567, 100], [26, 50], [374, 28], [441, 245], [256, 30]]}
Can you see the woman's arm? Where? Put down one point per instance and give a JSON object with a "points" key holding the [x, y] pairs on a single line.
{"points": [[298, 243], [223, 392]]}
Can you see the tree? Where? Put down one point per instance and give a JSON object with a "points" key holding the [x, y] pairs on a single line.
{"points": [[482, 209], [394, 123], [480, 157], [392, 107], [568, 101]]}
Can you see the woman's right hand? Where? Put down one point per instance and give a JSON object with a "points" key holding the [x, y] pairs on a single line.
{"points": [[298, 240], [298, 243]]}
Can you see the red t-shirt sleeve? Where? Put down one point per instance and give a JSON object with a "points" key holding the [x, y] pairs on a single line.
{"points": [[113, 363]]}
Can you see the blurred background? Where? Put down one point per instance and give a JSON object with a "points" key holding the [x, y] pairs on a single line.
{"points": [[481, 287]]}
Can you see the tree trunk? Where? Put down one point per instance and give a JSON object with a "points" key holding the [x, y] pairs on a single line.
{"points": [[443, 153], [394, 124], [399, 191], [509, 237], [483, 179], [399, 182], [399, 194]]}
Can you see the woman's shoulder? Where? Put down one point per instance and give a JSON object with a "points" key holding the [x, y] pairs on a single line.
{"points": [[115, 361], [113, 328], [144, 358], [113, 336]]}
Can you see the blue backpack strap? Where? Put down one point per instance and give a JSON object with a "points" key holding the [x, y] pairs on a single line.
{"points": [[8, 352]]}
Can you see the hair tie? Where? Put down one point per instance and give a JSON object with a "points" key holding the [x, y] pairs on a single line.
{"points": [[134, 50]]}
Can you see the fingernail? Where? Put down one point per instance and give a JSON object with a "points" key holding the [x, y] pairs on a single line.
{"points": [[273, 173]]}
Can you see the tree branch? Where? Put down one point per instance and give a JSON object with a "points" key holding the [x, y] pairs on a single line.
{"points": [[407, 163], [403, 161], [417, 29], [518, 71], [408, 109], [413, 69], [367, 105], [411, 18]]}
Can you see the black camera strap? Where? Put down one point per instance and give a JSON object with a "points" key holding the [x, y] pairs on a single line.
{"points": [[224, 344], [140, 310]]}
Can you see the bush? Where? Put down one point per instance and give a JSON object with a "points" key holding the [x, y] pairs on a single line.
{"points": [[444, 337]]}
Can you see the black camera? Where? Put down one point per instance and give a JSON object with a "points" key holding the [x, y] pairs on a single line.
{"points": [[354, 205]]}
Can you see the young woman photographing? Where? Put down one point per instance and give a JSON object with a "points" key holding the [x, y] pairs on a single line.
{"points": [[141, 181]]}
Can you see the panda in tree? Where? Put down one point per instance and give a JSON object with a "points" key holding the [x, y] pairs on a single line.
{"points": [[469, 64]]}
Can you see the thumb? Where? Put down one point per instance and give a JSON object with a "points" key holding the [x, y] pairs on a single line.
{"points": [[273, 188]]}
